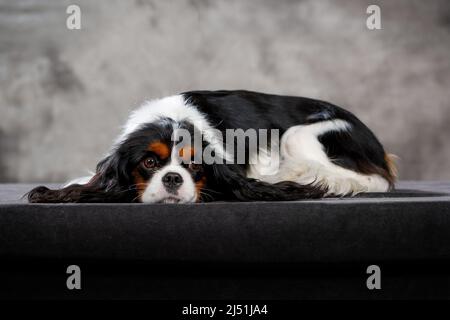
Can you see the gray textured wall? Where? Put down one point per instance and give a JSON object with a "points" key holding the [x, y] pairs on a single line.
{"points": [[64, 94]]}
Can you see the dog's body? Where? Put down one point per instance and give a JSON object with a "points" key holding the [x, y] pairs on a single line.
{"points": [[323, 150]]}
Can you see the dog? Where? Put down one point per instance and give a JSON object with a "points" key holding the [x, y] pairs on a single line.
{"points": [[321, 149]]}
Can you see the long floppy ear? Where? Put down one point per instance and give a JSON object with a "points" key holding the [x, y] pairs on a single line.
{"points": [[107, 185], [231, 180]]}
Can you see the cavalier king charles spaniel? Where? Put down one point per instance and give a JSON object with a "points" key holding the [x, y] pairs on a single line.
{"points": [[203, 146]]}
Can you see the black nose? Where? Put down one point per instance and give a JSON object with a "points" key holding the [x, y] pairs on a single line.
{"points": [[172, 180]]}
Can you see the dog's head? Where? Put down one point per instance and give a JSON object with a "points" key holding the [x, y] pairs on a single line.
{"points": [[151, 165]]}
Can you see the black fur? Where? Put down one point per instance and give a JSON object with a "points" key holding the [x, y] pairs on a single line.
{"points": [[231, 184]]}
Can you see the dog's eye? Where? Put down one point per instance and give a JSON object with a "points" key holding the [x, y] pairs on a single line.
{"points": [[195, 166], [149, 162]]}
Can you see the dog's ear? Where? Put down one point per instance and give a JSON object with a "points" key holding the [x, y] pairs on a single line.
{"points": [[231, 180], [107, 185]]}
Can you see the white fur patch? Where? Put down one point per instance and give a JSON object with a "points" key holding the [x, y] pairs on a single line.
{"points": [[264, 163], [303, 160]]}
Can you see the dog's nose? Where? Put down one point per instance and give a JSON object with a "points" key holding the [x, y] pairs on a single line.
{"points": [[172, 180]]}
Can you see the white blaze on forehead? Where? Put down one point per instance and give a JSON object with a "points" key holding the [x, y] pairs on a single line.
{"points": [[176, 108]]}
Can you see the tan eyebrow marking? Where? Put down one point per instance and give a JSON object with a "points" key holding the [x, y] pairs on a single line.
{"points": [[186, 153], [160, 148]]}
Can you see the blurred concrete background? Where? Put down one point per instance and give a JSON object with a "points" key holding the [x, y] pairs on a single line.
{"points": [[65, 93]]}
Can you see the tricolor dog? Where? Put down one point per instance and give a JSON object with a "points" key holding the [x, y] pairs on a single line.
{"points": [[292, 148]]}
